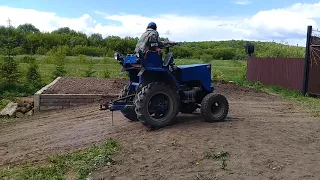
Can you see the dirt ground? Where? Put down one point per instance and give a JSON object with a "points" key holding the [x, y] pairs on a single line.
{"points": [[84, 85], [266, 138]]}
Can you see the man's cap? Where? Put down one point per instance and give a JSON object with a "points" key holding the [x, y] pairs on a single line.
{"points": [[152, 25]]}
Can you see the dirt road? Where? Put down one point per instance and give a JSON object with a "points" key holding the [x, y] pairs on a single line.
{"points": [[266, 138]]}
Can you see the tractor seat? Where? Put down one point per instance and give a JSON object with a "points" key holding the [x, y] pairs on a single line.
{"points": [[152, 59]]}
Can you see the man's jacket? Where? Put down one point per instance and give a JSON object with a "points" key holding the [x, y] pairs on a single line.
{"points": [[149, 40]]}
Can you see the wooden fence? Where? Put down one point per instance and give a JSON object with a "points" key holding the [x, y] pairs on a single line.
{"points": [[284, 72], [302, 74]]}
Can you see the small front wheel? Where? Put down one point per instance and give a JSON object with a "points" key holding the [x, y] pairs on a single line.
{"points": [[214, 107]]}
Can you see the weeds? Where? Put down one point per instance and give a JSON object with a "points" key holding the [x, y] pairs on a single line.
{"points": [[81, 163], [223, 155]]}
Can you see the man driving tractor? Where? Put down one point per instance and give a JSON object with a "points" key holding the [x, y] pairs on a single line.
{"points": [[149, 40]]}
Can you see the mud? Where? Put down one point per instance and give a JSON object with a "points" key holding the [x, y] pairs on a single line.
{"points": [[266, 138]]}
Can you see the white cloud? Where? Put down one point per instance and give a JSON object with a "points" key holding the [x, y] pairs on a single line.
{"points": [[287, 24], [242, 2]]}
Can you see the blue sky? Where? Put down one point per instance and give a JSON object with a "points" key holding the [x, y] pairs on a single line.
{"points": [[179, 19], [69, 8]]}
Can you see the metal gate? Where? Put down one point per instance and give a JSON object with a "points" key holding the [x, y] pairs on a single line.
{"points": [[312, 63]]}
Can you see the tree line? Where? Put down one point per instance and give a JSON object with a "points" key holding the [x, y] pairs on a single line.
{"points": [[29, 40]]}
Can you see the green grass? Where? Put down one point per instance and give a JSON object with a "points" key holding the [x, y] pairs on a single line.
{"points": [[226, 70], [3, 103], [75, 68], [222, 69], [78, 164]]}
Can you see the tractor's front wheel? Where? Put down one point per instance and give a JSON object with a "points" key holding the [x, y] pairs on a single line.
{"points": [[157, 104], [214, 107]]}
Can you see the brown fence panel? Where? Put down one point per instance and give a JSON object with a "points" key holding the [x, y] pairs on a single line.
{"points": [[313, 84], [314, 80], [284, 72]]}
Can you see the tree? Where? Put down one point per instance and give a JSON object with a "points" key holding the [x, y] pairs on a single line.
{"points": [[33, 75], [9, 68], [59, 57], [95, 39], [27, 29]]}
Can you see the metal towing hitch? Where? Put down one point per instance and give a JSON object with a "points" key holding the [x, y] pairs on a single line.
{"points": [[116, 105]]}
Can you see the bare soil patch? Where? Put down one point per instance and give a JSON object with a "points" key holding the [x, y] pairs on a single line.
{"points": [[76, 85], [266, 138]]}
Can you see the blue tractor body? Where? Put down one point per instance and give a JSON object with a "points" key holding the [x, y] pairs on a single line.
{"points": [[197, 72], [160, 87]]}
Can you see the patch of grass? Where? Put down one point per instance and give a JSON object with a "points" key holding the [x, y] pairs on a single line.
{"points": [[76, 68], [79, 164], [226, 70], [3, 103], [222, 156]]}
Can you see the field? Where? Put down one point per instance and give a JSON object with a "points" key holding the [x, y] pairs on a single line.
{"points": [[266, 136], [235, 68]]}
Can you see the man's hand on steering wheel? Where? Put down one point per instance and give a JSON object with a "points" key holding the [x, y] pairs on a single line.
{"points": [[169, 42]]}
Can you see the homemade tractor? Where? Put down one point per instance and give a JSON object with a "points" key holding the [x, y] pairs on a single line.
{"points": [[158, 90]]}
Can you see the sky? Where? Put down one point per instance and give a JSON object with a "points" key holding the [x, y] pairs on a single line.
{"points": [[179, 20]]}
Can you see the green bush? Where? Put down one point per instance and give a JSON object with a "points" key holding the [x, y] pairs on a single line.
{"points": [[90, 71]]}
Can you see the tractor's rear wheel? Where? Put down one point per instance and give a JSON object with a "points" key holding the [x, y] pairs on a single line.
{"points": [[128, 112], [214, 107], [157, 104]]}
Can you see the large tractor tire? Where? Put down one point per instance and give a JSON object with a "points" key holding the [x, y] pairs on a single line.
{"points": [[188, 108], [129, 112], [157, 104], [214, 107]]}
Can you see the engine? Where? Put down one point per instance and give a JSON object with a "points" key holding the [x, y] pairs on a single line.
{"points": [[188, 94]]}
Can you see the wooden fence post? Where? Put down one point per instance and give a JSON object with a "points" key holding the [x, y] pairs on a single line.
{"points": [[307, 61]]}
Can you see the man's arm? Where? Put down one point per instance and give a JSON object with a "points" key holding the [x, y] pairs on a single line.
{"points": [[168, 42], [156, 43]]}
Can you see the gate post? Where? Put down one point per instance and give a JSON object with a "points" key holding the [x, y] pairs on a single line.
{"points": [[307, 61]]}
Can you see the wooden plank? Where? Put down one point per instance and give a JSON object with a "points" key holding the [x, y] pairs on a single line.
{"points": [[88, 100], [36, 102], [65, 104], [76, 96], [36, 97], [47, 86]]}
